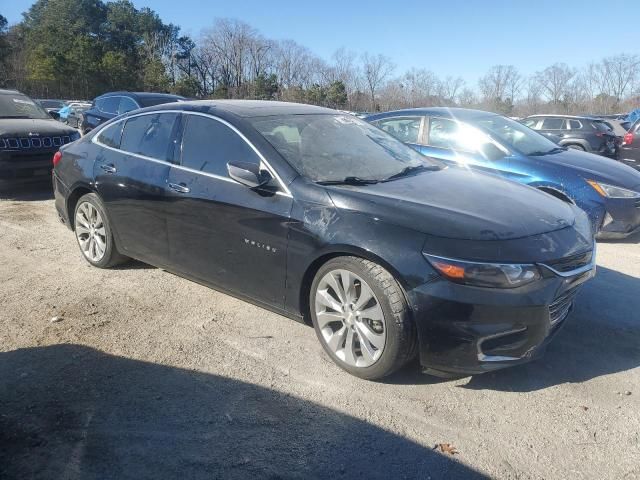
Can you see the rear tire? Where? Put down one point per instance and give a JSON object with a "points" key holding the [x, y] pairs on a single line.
{"points": [[94, 234], [576, 147], [365, 328]]}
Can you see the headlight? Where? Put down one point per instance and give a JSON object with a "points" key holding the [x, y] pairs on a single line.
{"points": [[492, 275], [610, 191]]}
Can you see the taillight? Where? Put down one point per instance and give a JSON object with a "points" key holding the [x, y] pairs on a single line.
{"points": [[57, 157], [628, 138]]}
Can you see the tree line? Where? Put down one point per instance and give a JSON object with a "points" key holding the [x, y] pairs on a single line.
{"points": [[82, 48]]}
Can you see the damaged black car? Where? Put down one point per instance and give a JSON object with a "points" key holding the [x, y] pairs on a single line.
{"points": [[319, 216]]}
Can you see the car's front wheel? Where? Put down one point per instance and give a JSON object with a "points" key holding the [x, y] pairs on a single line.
{"points": [[361, 317], [94, 234]]}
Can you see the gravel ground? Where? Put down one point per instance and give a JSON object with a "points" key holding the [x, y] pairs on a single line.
{"points": [[147, 375]]}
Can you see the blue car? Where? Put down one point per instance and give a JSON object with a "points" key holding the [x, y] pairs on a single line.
{"points": [[607, 190]]}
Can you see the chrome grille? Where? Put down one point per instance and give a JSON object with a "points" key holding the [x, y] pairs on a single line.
{"points": [[568, 264], [561, 306], [24, 143]]}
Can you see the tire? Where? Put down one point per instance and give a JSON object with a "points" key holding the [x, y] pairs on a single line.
{"points": [[380, 331], [95, 230], [575, 146]]}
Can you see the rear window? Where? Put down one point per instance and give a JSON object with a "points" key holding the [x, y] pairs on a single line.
{"points": [[601, 126], [151, 101], [150, 135], [553, 124], [111, 135]]}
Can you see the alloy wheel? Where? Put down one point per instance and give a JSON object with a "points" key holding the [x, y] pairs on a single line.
{"points": [[350, 318], [91, 232]]}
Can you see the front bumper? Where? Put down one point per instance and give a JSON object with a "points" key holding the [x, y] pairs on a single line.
{"points": [[19, 166], [621, 220], [470, 330]]}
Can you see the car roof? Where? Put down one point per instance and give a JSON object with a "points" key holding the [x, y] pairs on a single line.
{"points": [[463, 114], [577, 117], [250, 108], [10, 92], [139, 94]]}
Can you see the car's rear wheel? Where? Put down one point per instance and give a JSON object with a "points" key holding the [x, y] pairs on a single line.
{"points": [[361, 317], [576, 147], [94, 234]]}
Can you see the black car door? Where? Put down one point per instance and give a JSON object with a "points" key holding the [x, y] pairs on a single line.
{"points": [[222, 232], [104, 109], [131, 177]]}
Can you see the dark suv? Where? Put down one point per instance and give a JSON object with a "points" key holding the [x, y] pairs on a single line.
{"points": [[581, 133], [28, 138], [110, 105]]}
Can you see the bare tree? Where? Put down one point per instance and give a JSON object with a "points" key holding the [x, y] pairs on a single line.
{"points": [[500, 86], [555, 82], [375, 70]]}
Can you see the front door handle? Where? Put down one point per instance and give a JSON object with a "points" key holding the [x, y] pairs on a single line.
{"points": [[108, 168], [179, 188]]}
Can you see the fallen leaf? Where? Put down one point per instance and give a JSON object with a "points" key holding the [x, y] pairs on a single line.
{"points": [[446, 448]]}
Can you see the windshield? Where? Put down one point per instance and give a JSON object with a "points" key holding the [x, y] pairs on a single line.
{"points": [[514, 134], [20, 106], [331, 148]]}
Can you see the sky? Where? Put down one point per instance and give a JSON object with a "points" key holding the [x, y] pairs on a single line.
{"points": [[449, 37]]}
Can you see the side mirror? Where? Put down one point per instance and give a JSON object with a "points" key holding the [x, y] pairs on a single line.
{"points": [[491, 152], [248, 174]]}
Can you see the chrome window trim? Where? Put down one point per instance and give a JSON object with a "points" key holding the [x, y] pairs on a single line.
{"points": [[263, 161]]}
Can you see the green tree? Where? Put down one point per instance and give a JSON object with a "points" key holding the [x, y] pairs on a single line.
{"points": [[337, 95]]}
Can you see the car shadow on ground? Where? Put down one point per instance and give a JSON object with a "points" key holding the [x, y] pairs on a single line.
{"points": [[72, 412], [42, 190], [635, 238], [600, 337]]}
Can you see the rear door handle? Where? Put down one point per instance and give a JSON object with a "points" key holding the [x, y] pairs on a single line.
{"points": [[108, 168], [179, 187]]}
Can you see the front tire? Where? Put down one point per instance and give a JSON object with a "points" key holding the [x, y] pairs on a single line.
{"points": [[361, 317], [94, 234]]}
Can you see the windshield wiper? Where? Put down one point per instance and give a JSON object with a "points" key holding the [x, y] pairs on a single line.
{"points": [[349, 181], [540, 153], [409, 170]]}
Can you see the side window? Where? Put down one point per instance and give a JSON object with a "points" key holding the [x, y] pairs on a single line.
{"points": [[111, 135], [126, 105], [405, 129], [108, 104], [150, 135], [553, 124], [207, 146], [575, 125], [443, 133], [530, 122]]}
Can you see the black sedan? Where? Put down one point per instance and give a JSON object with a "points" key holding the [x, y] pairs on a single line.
{"points": [[318, 215]]}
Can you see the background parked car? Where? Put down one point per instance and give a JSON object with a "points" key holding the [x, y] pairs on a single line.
{"points": [[581, 133], [28, 138], [606, 189], [51, 106], [75, 115], [630, 149], [112, 104]]}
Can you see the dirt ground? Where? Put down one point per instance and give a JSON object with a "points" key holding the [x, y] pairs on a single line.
{"points": [[148, 375]]}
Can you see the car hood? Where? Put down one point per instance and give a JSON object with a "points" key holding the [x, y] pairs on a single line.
{"points": [[456, 203], [596, 167], [21, 127]]}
